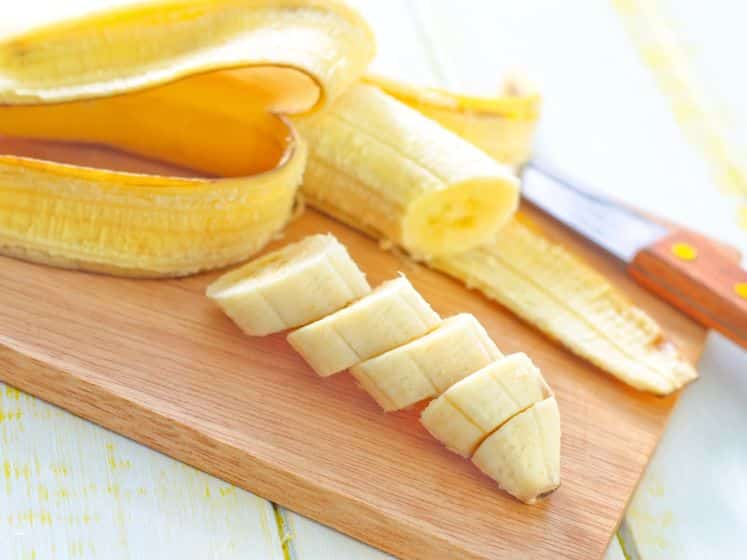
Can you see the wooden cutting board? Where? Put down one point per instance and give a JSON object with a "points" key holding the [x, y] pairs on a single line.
{"points": [[158, 362]]}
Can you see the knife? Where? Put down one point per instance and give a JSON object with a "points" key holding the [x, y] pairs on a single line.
{"points": [[688, 270]]}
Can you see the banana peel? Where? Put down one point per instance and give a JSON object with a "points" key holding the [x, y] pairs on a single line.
{"points": [[201, 85], [502, 125]]}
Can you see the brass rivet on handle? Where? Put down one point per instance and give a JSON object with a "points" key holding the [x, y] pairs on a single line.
{"points": [[684, 251], [740, 288]]}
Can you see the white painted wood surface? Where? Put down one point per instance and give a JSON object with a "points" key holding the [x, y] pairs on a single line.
{"points": [[643, 100]]}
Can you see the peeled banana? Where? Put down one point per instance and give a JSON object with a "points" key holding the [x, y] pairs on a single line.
{"points": [[199, 84], [538, 280], [393, 314], [523, 456], [380, 166], [290, 287], [429, 365], [401, 352]]}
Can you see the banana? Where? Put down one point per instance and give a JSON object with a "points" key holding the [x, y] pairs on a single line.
{"points": [[401, 353], [523, 456], [392, 315], [206, 90], [519, 268], [290, 287], [550, 288], [380, 166], [429, 365], [480, 403], [200, 84]]}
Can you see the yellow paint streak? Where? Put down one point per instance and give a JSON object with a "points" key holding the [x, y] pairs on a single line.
{"points": [[285, 535], [32, 518], [227, 491], [12, 393], [43, 493], [741, 289], [659, 46], [59, 470], [113, 462], [10, 415]]}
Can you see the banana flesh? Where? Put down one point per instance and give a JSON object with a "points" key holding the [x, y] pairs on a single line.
{"points": [[429, 365], [403, 177], [290, 287], [477, 405], [550, 288], [201, 85], [392, 315], [401, 352], [519, 268], [523, 456]]}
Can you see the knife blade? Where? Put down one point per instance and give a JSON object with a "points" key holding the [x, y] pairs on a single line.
{"points": [[689, 270], [617, 229]]}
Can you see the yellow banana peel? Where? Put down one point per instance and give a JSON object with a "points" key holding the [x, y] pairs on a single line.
{"points": [[200, 84], [502, 125]]}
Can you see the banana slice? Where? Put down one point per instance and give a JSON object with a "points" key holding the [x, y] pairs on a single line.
{"points": [[391, 315], [428, 365], [292, 286], [524, 455], [477, 405]]}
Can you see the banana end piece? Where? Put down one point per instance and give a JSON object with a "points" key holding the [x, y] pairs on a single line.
{"points": [[523, 456]]}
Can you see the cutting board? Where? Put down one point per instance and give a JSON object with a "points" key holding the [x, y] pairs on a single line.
{"points": [[158, 362]]}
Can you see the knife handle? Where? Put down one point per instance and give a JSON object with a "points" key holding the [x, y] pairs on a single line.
{"points": [[698, 276]]}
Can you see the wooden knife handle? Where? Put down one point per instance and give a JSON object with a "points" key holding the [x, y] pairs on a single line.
{"points": [[700, 277]]}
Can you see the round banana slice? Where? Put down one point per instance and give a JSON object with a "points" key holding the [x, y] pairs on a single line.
{"points": [[290, 287], [392, 315], [428, 365], [477, 405]]}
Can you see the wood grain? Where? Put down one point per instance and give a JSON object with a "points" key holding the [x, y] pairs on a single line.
{"points": [[704, 281], [157, 362]]}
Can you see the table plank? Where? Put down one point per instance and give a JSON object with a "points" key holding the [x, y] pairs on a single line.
{"points": [[70, 489]]}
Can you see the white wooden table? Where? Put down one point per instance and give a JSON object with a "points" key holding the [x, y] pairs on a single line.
{"points": [[645, 100]]}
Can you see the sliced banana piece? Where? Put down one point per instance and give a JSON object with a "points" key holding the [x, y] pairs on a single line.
{"points": [[392, 315], [477, 405], [428, 365], [290, 287], [524, 455]]}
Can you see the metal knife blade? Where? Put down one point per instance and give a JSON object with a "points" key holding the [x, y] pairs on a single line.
{"points": [[617, 229]]}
